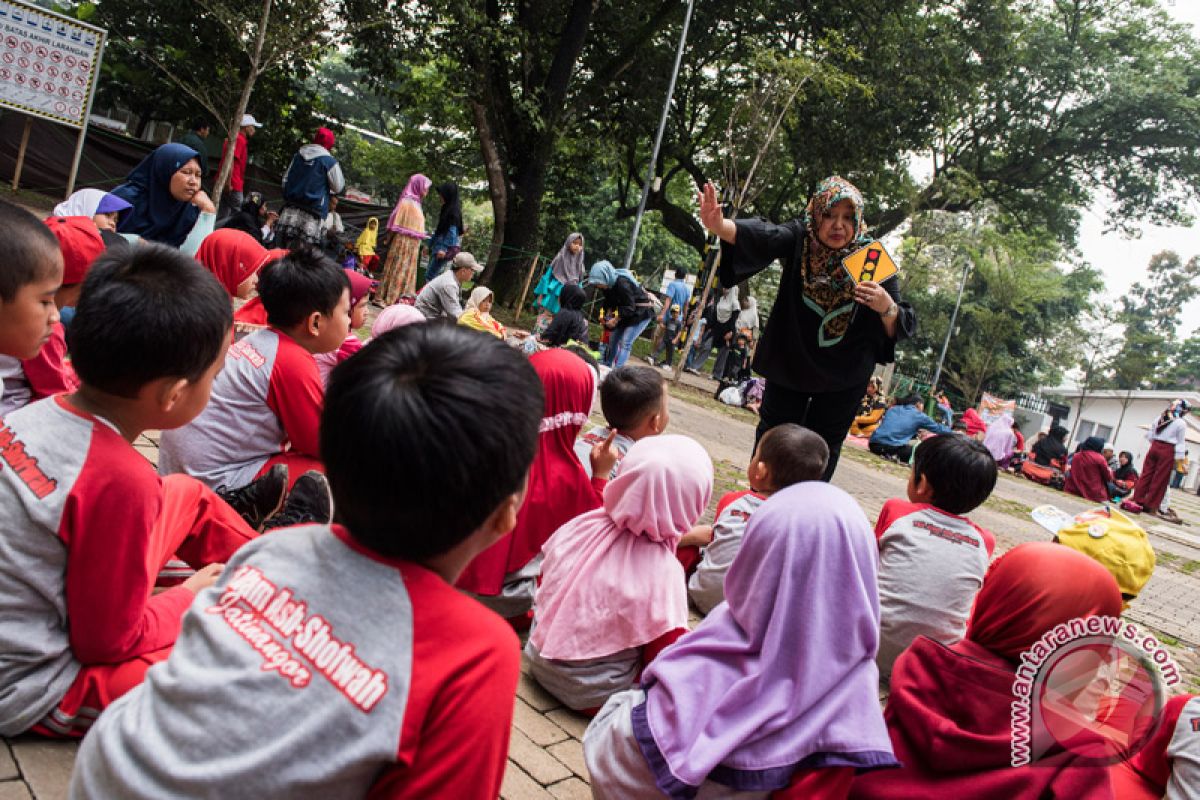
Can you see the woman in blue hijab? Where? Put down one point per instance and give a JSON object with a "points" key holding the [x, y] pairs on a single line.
{"points": [[164, 192]]}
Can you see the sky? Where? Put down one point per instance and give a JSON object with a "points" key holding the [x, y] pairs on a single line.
{"points": [[1123, 261]]}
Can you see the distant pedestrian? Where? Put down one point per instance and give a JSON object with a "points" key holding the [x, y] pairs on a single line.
{"points": [[195, 139], [231, 199], [313, 176], [406, 227]]}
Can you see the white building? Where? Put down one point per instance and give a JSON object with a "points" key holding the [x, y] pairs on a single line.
{"points": [[1122, 419]]}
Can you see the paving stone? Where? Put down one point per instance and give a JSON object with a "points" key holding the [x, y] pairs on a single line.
{"points": [[570, 721], [8, 767], [46, 765], [540, 730], [540, 764], [519, 786], [571, 789], [532, 692], [14, 790], [570, 753]]}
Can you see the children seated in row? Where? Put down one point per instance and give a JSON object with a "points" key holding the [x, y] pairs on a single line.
{"points": [[635, 405], [339, 661], [504, 576], [932, 559], [266, 403], [360, 290], [1089, 476], [85, 523], [893, 438], [777, 689], [612, 594], [950, 712], [48, 372], [787, 454]]}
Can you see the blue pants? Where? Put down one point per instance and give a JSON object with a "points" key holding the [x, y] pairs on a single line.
{"points": [[621, 343]]}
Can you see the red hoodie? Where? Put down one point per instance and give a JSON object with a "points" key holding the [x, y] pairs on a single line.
{"points": [[949, 716], [1089, 476]]}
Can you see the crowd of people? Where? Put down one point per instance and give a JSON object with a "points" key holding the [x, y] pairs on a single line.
{"points": [[319, 591]]}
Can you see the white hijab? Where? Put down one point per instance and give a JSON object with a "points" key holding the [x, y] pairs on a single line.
{"points": [[81, 204]]}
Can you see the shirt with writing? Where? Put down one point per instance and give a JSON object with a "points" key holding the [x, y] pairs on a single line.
{"points": [[316, 668], [77, 506], [268, 396], [931, 565]]}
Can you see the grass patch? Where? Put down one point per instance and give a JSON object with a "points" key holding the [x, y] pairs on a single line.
{"points": [[1189, 567], [1168, 639], [699, 397], [1165, 558], [29, 199], [1004, 505]]}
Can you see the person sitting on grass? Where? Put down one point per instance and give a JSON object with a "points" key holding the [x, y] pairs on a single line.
{"points": [[932, 559], [893, 438], [1089, 476], [787, 454], [349, 642], [870, 410]]}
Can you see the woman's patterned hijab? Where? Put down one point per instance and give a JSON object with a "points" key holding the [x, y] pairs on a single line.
{"points": [[828, 290]]}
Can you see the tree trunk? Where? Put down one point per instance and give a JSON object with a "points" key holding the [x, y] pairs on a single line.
{"points": [[497, 187], [1121, 420], [235, 123]]}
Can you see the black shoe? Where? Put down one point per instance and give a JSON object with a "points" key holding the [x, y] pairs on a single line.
{"points": [[309, 502], [258, 500]]}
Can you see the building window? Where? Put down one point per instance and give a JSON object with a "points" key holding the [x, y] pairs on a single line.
{"points": [[1085, 430], [1104, 432]]}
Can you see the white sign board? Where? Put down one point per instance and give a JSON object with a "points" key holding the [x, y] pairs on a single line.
{"points": [[48, 63]]}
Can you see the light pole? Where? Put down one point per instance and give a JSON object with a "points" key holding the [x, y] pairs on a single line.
{"points": [[962, 285], [662, 126]]}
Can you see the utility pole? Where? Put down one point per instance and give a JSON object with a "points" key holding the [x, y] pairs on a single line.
{"points": [[962, 285], [662, 126]]}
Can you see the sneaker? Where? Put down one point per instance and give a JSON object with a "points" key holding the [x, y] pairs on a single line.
{"points": [[309, 502], [258, 500]]}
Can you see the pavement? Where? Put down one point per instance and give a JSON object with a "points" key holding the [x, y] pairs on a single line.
{"points": [[546, 754]]}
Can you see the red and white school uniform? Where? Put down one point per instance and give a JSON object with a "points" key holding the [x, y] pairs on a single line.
{"points": [[316, 668], [85, 526], [931, 565], [265, 409]]}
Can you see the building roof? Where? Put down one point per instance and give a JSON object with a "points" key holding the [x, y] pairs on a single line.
{"points": [[1165, 395]]}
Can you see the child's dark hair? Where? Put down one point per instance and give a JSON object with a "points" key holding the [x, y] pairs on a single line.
{"points": [[793, 454], [681, 273], [303, 281], [469, 407], [630, 394], [28, 250], [583, 353], [961, 471], [145, 313]]}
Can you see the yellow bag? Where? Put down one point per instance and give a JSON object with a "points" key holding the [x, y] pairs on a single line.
{"points": [[1116, 541]]}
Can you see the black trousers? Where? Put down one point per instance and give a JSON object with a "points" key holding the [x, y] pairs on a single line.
{"points": [[827, 414], [902, 452]]}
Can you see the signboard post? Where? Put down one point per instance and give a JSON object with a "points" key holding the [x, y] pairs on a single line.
{"points": [[49, 64]]}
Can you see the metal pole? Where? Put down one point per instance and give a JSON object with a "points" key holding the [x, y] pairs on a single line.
{"points": [[87, 112], [937, 373], [662, 126]]}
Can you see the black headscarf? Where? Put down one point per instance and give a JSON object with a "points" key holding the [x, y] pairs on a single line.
{"points": [[571, 297], [1092, 444], [451, 213], [1126, 471]]}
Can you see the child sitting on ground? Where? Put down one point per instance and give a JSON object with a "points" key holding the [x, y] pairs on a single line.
{"points": [[736, 367], [775, 689], [568, 324], [85, 523], [931, 558], [350, 644], [266, 403], [31, 272], [360, 288], [612, 593], [49, 373], [785, 455], [635, 403]]}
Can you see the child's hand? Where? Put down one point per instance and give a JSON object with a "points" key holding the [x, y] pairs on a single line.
{"points": [[204, 578], [605, 456], [699, 536]]}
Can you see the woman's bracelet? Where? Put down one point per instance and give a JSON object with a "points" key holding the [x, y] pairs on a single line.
{"points": [[892, 311]]}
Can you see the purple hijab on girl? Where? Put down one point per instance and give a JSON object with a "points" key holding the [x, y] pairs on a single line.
{"points": [[781, 677]]}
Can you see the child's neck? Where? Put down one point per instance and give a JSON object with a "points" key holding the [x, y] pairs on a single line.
{"points": [[298, 334], [122, 412]]}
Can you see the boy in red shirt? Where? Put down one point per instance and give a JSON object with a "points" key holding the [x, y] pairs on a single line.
{"points": [[85, 523], [31, 271], [931, 558], [340, 661], [266, 403]]}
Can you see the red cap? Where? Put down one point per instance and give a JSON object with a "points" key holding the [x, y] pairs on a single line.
{"points": [[80, 242]]}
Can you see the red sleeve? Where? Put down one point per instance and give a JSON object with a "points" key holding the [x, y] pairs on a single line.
{"points": [[989, 541], [466, 661], [598, 485], [48, 372], [650, 650], [892, 510], [108, 528], [830, 783], [726, 500], [296, 395]]}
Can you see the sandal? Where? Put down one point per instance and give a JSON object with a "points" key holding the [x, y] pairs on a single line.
{"points": [[1170, 516]]}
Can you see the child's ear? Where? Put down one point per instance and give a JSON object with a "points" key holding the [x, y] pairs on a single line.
{"points": [[170, 392], [504, 518], [762, 476], [313, 323]]}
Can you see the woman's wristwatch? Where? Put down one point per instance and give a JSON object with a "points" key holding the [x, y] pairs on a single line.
{"points": [[892, 311]]}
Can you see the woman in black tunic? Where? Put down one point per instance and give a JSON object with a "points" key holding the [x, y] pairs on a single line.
{"points": [[825, 334]]}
